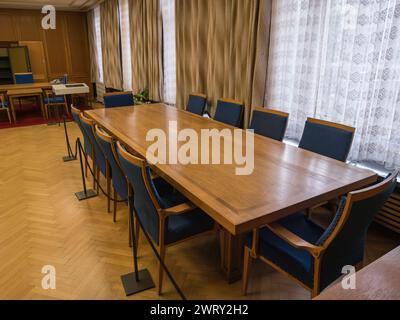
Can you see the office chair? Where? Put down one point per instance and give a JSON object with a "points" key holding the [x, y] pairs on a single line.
{"points": [[269, 123], [118, 99], [229, 112], [197, 103]]}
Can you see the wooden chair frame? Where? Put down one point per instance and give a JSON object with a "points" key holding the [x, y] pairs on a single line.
{"points": [[4, 108], [50, 95], [96, 170], [316, 251], [163, 214]]}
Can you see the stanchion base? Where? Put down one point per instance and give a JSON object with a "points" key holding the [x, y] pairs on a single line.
{"points": [[84, 196], [69, 158], [131, 286]]}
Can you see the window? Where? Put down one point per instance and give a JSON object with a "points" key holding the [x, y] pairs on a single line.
{"points": [[125, 44], [169, 51], [338, 61], [98, 42]]}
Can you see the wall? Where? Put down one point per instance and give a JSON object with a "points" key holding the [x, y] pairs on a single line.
{"points": [[66, 47]]}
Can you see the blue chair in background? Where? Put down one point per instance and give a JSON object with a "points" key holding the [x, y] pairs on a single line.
{"points": [[100, 163], [23, 78], [313, 256], [326, 138], [4, 107], [118, 99], [167, 219], [197, 103], [51, 101], [229, 112], [269, 123]]}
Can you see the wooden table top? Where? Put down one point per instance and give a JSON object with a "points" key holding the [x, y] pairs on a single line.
{"points": [[285, 178], [27, 91], [36, 85], [380, 280]]}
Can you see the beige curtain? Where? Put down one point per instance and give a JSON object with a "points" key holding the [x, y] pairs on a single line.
{"points": [[222, 50], [146, 47], [94, 68], [110, 44]]}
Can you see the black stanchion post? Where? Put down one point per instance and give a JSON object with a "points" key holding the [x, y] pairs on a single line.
{"points": [[137, 281], [85, 194], [70, 156]]}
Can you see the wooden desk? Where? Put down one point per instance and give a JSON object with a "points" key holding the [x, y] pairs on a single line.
{"points": [[285, 179], [378, 281], [23, 93], [37, 85]]}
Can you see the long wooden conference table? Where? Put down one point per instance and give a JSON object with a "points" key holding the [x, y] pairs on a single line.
{"points": [[285, 179]]}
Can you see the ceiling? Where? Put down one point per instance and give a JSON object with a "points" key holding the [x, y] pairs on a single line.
{"points": [[71, 5]]}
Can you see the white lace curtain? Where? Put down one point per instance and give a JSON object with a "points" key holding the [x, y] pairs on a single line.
{"points": [[169, 50], [339, 60]]}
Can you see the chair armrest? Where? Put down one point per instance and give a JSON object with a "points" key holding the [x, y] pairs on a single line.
{"points": [[179, 209], [294, 240]]}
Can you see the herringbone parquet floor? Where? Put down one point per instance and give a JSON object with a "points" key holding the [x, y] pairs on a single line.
{"points": [[42, 223]]}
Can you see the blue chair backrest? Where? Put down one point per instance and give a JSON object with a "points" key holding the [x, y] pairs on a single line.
{"points": [[347, 247], [196, 104], [87, 143], [118, 177], [229, 112], [23, 78], [99, 157], [269, 124], [327, 140], [142, 202], [122, 99]]}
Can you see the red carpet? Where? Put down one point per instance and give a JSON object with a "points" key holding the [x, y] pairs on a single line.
{"points": [[28, 115]]}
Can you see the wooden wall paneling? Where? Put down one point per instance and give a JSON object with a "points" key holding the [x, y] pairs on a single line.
{"points": [[56, 53], [28, 27], [7, 27]]}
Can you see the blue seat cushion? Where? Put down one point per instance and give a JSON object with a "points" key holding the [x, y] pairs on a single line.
{"points": [[328, 141], [182, 226], [3, 104], [56, 99], [297, 262]]}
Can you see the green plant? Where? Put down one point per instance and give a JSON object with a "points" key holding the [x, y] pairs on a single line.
{"points": [[142, 96]]}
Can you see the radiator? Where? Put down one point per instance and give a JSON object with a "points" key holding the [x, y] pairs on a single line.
{"points": [[389, 216]]}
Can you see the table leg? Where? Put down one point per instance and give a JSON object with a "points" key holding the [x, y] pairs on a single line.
{"points": [[42, 107], [231, 255], [13, 109]]}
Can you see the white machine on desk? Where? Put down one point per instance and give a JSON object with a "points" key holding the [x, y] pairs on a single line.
{"points": [[70, 89]]}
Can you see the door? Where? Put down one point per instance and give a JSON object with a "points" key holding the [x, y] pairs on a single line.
{"points": [[37, 58], [19, 59]]}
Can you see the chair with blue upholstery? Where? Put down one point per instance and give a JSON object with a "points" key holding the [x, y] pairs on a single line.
{"points": [[87, 145], [100, 163], [229, 112], [326, 138], [4, 107], [166, 218], [119, 182], [197, 103], [118, 99], [314, 257], [269, 123], [51, 101], [23, 78]]}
